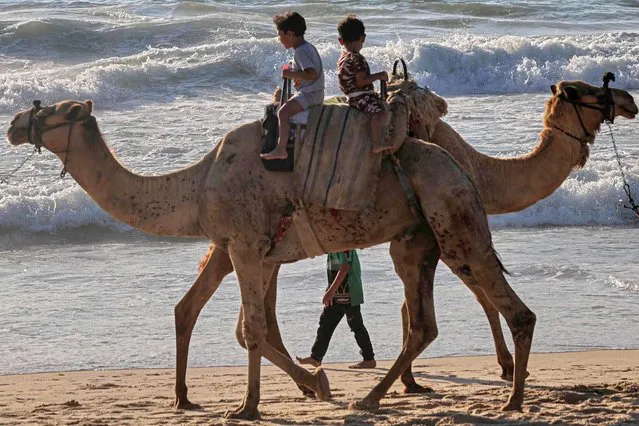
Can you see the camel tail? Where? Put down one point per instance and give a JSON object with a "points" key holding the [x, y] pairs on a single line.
{"points": [[499, 262], [205, 258]]}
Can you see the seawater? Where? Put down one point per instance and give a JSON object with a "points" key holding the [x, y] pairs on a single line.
{"points": [[79, 290]]}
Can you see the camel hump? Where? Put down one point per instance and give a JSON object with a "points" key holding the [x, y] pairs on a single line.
{"points": [[334, 166]]}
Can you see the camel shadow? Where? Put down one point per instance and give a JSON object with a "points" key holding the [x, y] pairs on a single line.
{"points": [[381, 372]]}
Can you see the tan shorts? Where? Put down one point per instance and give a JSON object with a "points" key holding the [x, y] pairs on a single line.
{"points": [[307, 100]]}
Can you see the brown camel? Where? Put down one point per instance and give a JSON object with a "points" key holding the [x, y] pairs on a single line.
{"points": [[229, 198], [505, 185]]}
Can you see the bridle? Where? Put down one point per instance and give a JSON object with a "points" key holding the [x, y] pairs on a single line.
{"points": [[37, 128], [607, 110]]}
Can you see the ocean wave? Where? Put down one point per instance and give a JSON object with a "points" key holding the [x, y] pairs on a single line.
{"points": [[115, 32], [459, 65], [67, 209], [467, 64], [632, 286], [157, 74], [591, 198]]}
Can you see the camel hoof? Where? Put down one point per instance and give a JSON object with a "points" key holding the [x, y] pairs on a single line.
{"points": [[508, 375], [323, 392], [243, 413], [308, 393], [364, 404], [185, 404], [512, 406], [415, 388]]}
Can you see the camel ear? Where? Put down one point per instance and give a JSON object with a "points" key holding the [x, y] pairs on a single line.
{"points": [[553, 89], [89, 105], [571, 93], [73, 114]]}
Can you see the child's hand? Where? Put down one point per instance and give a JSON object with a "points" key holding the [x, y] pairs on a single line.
{"points": [[287, 70], [382, 76], [327, 300]]}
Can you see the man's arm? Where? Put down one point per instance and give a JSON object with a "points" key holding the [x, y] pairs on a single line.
{"points": [[327, 300]]}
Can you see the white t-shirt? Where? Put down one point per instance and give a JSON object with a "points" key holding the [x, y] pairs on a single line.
{"points": [[305, 56]]}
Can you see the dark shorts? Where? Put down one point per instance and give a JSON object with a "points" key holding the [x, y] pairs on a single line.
{"points": [[370, 104]]}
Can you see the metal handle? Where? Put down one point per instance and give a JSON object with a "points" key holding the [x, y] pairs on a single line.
{"points": [[403, 66], [382, 90], [607, 77], [286, 90]]}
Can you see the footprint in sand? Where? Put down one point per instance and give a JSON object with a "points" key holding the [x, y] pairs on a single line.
{"points": [[573, 397], [102, 386]]}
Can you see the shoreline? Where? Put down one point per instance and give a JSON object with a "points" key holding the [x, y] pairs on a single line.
{"points": [[599, 386], [344, 363]]}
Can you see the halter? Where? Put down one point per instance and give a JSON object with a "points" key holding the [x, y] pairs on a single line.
{"points": [[607, 111], [37, 128]]}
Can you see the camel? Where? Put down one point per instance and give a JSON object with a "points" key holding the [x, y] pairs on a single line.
{"points": [[504, 184], [229, 198]]}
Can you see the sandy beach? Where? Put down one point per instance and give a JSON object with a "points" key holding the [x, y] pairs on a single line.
{"points": [[596, 387]]}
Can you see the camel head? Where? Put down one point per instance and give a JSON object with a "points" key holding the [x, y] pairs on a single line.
{"points": [[578, 109], [48, 126], [424, 107]]}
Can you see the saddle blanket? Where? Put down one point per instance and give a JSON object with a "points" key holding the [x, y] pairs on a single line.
{"points": [[334, 166]]}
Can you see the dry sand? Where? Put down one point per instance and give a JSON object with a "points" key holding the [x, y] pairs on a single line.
{"points": [[598, 387]]}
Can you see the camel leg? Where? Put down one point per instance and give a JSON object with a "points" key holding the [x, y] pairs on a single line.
{"points": [[249, 269], [414, 265], [427, 243], [313, 384], [504, 357], [487, 276], [273, 335], [187, 311], [468, 252]]}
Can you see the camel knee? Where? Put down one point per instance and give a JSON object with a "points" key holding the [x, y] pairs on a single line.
{"points": [[429, 334], [523, 325], [423, 336], [253, 336]]}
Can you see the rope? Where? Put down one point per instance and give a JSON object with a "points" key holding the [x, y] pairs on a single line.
{"points": [[14, 171], [626, 188]]}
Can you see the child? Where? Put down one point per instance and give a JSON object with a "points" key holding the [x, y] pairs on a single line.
{"points": [[307, 73], [343, 297], [356, 80]]}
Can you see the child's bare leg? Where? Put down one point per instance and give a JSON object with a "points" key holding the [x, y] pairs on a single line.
{"points": [[288, 110], [377, 124]]}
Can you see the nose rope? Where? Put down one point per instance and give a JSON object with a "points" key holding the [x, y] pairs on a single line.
{"points": [[9, 175]]}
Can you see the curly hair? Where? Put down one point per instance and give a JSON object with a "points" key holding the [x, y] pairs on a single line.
{"points": [[290, 21]]}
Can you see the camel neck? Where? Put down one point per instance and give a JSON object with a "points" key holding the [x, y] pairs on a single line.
{"points": [[163, 205], [511, 184]]}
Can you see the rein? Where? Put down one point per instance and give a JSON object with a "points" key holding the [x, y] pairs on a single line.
{"points": [[626, 187]]}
